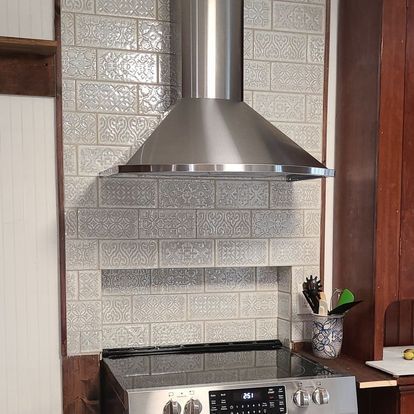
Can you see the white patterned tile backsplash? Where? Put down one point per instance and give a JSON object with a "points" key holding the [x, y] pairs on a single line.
{"points": [[287, 252], [81, 192], [176, 333], [79, 128], [186, 253], [154, 36], [186, 194], [164, 281], [159, 308], [125, 66], [267, 278], [89, 284], [71, 223], [91, 341], [145, 9], [116, 309], [298, 195], [314, 108], [284, 305], [229, 279], [297, 77], [83, 316], [223, 223], [78, 6], [155, 100], [78, 62], [258, 304], [128, 192], [247, 252], [257, 75], [257, 14], [72, 285], [68, 95], [125, 129], [124, 336], [105, 32], [266, 329], [107, 97], [164, 12], [316, 49], [277, 223], [222, 331], [312, 223], [213, 306], [128, 254], [167, 70], [284, 47], [298, 17], [167, 224], [73, 342], [126, 282], [81, 254], [242, 194], [280, 106], [108, 223], [248, 44], [68, 29]]}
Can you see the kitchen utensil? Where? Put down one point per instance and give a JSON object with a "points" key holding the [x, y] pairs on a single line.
{"points": [[340, 310], [323, 305], [311, 289]]}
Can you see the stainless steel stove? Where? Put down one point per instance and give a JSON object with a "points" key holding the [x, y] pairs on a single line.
{"points": [[233, 378]]}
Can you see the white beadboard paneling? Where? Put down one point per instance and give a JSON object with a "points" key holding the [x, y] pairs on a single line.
{"points": [[30, 375], [27, 18]]}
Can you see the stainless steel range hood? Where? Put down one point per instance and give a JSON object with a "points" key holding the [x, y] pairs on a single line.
{"points": [[210, 131]]}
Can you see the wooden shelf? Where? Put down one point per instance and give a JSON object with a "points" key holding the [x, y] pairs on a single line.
{"points": [[16, 45]]}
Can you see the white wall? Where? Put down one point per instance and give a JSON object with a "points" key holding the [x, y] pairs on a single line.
{"points": [[30, 373]]}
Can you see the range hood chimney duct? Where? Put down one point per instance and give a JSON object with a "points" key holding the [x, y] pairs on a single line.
{"points": [[210, 131]]}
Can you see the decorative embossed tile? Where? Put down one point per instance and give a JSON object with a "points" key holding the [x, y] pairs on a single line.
{"points": [[241, 252], [164, 12], [81, 192], [285, 275], [284, 308], [154, 36], [68, 95], [124, 336], [303, 195], [285, 47], [72, 285], [176, 333], [223, 223], [164, 364], [266, 329], [285, 252], [227, 331], [128, 254], [229, 360], [308, 136], [284, 329], [71, 223], [177, 280], [127, 66], [298, 332], [167, 70], [83, 316], [298, 17], [94, 159], [89, 285], [186, 193], [257, 14], [242, 194], [79, 128], [312, 223], [257, 75], [106, 97], [213, 306], [248, 98], [229, 279], [213, 377], [314, 108], [277, 223], [186, 253], [159, 308], [105, 32], [126, 282], [297, 77], [73, 342], [78, 6], [81, 254], [167, 224], [155, 100], [125, 129], [78, 63], [267, 278], [248, 44], [108, 223], [127, 192], [68, 29], [130, 8], [280, 106], [116, 309], [69, 160], [91, 341], [316, 49], [258, 305]]}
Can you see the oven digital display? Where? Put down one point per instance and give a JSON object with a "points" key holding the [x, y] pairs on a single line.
{"points": [[248, 395]]}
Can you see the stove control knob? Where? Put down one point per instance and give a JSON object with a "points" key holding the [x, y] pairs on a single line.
{"points": [[320, 396], [301, 398], [193, 407], [172, 407]]}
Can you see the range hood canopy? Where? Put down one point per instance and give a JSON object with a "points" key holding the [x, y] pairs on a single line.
{"points": [[210, 131]]}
